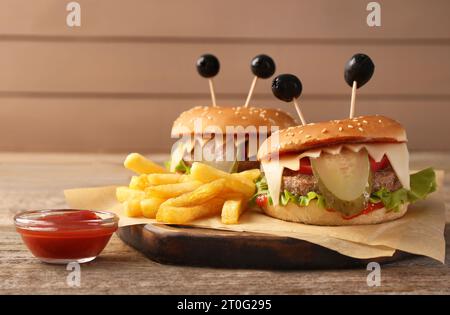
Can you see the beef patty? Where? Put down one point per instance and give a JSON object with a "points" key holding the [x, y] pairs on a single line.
{"points": [[301, 184]]}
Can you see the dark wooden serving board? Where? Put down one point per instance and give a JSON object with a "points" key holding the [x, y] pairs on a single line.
{"points": [[227, 249]]}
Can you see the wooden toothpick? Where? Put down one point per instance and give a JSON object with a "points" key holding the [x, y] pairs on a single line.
{"points": [[299, 112], [213, 94], [352, 102], [250, 93]]}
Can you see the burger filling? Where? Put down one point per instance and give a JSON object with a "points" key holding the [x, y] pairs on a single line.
{"points": [[243, 158], [383, 189]]}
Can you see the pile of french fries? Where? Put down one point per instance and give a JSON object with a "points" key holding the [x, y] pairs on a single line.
{"points": [[175, 198]]}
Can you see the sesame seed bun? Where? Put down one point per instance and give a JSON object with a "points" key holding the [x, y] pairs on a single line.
{"points": [[315, 215], [222, 117], [363, 129]]}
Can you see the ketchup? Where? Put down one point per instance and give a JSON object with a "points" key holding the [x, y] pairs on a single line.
{"points": [[61, 236]]}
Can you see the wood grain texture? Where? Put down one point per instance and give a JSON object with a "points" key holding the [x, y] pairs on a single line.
{"points": [[123, 125], [127, 69], [37, 180], [285, 19], [110, 76]]}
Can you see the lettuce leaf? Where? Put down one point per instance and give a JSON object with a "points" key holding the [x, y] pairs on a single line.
{"points": [[182, 167], [303, 201], [423, 183], [286, 196]]}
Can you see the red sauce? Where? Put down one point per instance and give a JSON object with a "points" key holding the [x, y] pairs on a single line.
{"points": [[66, 234], [370, 208]]}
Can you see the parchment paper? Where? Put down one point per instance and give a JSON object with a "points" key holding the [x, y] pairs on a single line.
{"points": [[420, 231]]}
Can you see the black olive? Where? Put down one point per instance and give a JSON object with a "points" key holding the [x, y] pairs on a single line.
{"points": [[286, 87], [208, 66], [359, 68], [263, 66]]}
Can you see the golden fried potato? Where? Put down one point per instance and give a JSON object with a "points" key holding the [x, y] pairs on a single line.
{"points": [[206, 173], [132, 208], [183, 215], [199, 196], [150, 206], [124, 193], [171, 190], [139, 182], [140, 165], [232, 210], [251, 175], [163, 179]]}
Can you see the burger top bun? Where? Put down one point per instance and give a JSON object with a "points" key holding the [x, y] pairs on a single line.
{"points": [[363, 129], [222, 117]]}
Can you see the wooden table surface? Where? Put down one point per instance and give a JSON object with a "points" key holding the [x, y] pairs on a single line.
{"points": [[32, 181]]}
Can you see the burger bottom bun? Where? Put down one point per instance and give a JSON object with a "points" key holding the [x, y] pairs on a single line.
{"points": [[315, 215]]}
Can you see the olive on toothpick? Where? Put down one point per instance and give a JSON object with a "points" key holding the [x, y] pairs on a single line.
{"points": [[357, 72], [208, 66], [288, 88], [263, 67]]}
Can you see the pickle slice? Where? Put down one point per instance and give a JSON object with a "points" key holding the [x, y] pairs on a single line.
{"points": [[344, 180]]}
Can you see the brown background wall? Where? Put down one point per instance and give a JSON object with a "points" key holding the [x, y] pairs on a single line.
{"points": [[118, 82]]}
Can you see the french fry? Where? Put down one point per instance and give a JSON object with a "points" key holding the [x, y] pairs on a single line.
{"points": [[150, 206], [140, 165], [251, 175], [139, 182], [163, 179], [132, 208], [206, 173], [182, 215], [171, 190], [124, 193], [199, 196], [232, 210], [185, 178]]}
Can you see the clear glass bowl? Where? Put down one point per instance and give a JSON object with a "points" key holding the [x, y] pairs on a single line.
{"points": [[61, 236]]}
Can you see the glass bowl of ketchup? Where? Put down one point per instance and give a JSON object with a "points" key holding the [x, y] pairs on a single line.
{"points": [[66, 235]]}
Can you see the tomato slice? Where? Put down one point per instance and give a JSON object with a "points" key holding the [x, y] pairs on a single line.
{"points": [[305, 166], [261, 200], [376, 166]]}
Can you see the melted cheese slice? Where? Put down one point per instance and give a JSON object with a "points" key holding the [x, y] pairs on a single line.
{"points": [[397, 153]]}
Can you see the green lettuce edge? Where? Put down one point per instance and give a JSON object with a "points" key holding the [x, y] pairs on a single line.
{"points": [[422, 184]]}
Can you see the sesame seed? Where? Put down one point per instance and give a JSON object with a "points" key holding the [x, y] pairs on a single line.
{"points": [[290, 134], [350, 126], [340, 128], [220, 112], [277, 113], [360, 129], [300, 132], [379, 120], [244, 118], [359, 124], [307, 136], [365, 122], [324, 130], [209, 118]]}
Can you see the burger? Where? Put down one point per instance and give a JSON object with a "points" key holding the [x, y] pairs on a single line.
{"points": [[340, 172], [225, 137]]}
